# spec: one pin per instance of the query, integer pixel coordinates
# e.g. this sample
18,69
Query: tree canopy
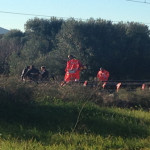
123,48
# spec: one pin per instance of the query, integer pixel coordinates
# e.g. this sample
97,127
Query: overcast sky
114,10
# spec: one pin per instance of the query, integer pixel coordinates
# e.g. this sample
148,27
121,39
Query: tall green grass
43,126
63,117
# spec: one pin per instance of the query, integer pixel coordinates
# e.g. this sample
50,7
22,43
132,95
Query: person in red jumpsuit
103,75
73,69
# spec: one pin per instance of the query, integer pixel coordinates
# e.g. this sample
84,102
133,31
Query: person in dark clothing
33,73
44,74
24,72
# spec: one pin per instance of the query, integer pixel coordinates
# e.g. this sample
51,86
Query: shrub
136,98
12,90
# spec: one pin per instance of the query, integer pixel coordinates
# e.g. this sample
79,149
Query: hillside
50,117
3,31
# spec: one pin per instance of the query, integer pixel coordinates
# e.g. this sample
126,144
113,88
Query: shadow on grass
40,121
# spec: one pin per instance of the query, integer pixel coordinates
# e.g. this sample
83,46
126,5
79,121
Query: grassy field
59,126
40,121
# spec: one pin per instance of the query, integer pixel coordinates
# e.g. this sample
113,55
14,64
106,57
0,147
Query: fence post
104,84
118,86
143,86
85,83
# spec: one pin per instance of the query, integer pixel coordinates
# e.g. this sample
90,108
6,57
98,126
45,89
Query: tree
44,30
11,42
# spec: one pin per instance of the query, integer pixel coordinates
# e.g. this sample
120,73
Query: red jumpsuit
103,75
72,70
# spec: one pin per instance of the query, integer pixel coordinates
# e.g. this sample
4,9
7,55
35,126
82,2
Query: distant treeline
123,48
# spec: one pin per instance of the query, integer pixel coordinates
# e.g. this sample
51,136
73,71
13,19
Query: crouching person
44,74
33,73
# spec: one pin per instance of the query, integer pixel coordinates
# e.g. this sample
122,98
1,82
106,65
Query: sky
113,10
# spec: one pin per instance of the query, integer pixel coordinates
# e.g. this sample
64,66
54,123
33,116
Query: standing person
44,74
73,69
103,75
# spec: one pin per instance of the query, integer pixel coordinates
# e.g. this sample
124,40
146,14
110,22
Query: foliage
44,30
14,90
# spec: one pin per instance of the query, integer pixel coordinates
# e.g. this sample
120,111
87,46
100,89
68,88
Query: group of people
32,73
72,70
74,67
